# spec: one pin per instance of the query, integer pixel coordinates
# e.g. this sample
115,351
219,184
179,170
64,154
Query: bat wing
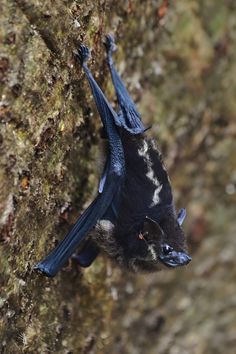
87,255
129,117
111,181
104,176
59,256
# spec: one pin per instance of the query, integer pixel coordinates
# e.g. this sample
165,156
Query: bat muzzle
175,259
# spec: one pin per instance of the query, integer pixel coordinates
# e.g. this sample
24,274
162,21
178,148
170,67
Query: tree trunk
178,60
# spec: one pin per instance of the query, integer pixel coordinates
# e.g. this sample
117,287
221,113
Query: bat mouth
175,259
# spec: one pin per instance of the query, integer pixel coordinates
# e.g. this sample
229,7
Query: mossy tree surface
179,64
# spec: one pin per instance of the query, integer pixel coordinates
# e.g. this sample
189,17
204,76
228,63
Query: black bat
133,218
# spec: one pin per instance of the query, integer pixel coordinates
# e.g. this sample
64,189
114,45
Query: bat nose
183,258
175,259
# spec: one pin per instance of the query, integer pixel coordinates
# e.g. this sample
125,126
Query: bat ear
152,227
181,216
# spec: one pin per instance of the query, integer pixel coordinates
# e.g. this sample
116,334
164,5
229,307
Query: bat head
164,244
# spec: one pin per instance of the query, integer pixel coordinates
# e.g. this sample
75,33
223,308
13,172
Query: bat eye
166,249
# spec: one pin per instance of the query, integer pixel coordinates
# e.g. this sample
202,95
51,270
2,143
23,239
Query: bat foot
82,54
110,44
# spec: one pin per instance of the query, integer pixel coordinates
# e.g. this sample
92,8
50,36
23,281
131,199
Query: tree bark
178,60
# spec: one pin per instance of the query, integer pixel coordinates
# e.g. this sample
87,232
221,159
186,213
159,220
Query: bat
133,219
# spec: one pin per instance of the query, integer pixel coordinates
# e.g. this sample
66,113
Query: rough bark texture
179,63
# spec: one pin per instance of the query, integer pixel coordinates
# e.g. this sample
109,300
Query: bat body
133,218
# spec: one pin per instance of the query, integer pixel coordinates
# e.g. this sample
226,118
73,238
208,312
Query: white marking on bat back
156,196
143,152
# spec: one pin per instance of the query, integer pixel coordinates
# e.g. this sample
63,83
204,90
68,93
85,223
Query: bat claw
82,54
110,44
